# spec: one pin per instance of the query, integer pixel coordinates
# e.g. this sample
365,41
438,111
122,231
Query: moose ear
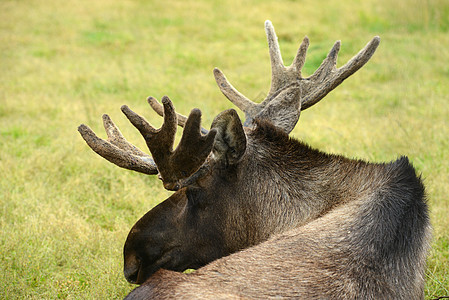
230,141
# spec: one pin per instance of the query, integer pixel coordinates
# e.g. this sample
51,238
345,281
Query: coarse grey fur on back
369,246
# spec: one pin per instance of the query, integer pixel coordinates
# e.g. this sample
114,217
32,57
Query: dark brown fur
339,228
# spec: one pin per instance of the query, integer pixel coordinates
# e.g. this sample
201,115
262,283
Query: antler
189,155
159,109
172,165
290,92
117,149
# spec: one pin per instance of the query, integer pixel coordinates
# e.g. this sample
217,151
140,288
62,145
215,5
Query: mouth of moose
138,272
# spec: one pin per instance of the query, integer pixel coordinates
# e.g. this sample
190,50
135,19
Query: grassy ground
65,212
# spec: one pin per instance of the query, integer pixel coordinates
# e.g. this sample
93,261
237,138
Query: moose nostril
132,278
132,275
131,270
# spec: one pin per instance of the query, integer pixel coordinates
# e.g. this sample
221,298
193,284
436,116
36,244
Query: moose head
236,184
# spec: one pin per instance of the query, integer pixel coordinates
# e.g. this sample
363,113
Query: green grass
65,212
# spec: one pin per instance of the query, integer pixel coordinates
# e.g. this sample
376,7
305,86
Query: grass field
65,212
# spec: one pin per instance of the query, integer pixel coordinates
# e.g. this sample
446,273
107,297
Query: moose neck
296,183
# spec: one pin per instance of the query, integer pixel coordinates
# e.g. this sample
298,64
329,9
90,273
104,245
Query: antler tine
117,149
159,109
360,59
281,76
328,65
328,77
159,141
194,148
300,57
116,138
243,103
191,152
277,64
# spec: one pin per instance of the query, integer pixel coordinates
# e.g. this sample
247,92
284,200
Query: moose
260,214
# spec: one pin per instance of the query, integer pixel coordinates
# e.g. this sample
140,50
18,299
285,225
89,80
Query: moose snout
131,269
